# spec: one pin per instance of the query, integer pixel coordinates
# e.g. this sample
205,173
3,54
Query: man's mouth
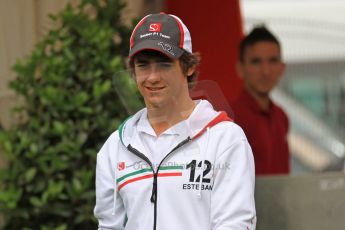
155,88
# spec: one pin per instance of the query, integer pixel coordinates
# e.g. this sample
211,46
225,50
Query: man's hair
187,60
258,34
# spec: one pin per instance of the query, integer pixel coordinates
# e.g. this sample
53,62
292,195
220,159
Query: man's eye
255,61
274,60
142,65
165,64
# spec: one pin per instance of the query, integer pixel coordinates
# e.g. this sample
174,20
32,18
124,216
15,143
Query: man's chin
263,93
156,104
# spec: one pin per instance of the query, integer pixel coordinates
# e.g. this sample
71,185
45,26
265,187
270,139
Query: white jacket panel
208,183
105,179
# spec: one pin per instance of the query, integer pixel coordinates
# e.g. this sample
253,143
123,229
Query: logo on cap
155,27
166,47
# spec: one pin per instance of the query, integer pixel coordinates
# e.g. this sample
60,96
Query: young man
176,164
264,123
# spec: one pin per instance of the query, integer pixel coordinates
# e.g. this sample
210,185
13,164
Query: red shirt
266,132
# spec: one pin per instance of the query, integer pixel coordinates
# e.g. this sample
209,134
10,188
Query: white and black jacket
206,182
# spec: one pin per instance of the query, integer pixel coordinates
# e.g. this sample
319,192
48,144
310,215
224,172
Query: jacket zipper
153,198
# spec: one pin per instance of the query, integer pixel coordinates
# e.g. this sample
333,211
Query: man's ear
239,69
191,70
134,77
283,67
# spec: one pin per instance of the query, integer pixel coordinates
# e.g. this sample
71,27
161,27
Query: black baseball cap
162,32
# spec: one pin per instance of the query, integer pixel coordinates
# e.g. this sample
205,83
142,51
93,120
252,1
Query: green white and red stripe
142,174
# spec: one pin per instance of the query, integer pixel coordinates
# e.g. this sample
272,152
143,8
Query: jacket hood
202,117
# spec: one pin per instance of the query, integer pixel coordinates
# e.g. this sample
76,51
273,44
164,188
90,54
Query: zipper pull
154,189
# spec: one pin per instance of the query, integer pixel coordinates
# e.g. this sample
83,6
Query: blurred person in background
265,124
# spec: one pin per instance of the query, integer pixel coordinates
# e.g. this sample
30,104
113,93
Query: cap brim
165,48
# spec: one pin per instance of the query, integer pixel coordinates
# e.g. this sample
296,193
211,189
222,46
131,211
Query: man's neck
164,117
262,99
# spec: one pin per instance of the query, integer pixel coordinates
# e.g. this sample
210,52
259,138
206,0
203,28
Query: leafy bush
72,104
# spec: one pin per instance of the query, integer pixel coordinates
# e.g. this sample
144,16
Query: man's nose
265,68
153,73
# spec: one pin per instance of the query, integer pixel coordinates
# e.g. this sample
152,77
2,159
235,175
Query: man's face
262,67
160,80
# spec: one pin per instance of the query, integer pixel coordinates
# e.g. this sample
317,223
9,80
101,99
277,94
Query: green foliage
73,101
